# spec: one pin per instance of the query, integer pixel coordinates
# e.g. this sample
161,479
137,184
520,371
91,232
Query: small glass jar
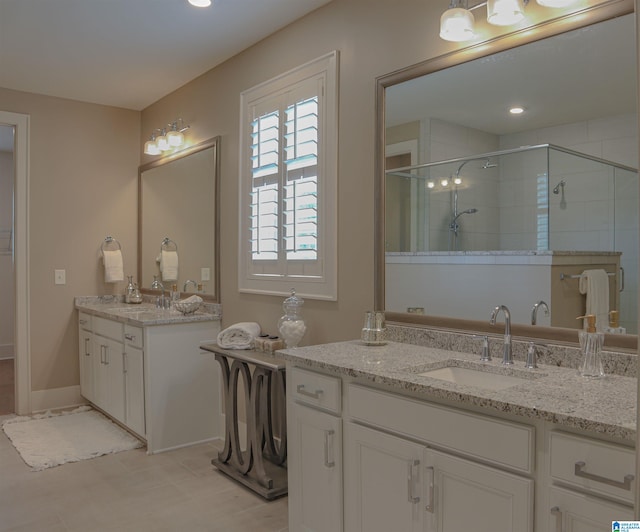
291,326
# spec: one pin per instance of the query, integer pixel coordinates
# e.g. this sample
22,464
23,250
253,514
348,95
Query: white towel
113,266
595,284
239,336
169,265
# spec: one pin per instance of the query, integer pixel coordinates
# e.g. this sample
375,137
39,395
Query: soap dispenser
132,293
291,325
591,343
614,324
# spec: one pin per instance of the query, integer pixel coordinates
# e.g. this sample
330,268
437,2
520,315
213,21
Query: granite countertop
559,395
143,314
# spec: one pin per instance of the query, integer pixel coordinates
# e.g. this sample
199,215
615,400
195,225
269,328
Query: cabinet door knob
558,513
411,482
328,460
314,395
625,484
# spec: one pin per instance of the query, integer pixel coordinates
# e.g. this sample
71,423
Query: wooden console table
261,465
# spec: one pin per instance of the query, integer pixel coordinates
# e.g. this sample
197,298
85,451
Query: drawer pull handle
625,484
130,337
87,352
558,513
429,506
314,395
328,462
411,481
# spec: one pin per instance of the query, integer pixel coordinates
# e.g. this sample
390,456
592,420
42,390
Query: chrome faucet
534,311
507,357
186,283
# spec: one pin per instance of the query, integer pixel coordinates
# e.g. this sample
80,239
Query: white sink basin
474,377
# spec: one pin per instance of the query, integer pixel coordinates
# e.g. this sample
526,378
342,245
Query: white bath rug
49,440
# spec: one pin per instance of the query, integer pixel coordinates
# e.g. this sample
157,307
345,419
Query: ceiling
128,53
592,71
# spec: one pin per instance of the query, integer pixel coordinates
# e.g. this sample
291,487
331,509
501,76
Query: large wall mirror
479,207
179,205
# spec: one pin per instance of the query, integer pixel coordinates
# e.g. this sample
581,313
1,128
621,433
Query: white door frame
21,259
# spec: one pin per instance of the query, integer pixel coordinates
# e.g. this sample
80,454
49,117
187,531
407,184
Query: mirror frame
576,20
201,146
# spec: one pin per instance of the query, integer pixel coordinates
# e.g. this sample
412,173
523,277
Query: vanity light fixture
457,22
200,3
430,184
169,140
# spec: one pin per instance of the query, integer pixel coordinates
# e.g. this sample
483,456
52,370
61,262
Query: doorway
7,279
20,255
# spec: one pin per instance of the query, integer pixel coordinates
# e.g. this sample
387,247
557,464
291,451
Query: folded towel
595,284
113,266
239,336
169,265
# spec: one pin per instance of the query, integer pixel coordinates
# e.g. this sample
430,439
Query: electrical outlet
60,276
205,274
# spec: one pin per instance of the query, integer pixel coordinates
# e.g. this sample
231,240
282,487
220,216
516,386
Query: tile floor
130,491
7,392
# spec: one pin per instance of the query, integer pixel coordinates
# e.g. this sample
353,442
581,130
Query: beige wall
83,178
373,37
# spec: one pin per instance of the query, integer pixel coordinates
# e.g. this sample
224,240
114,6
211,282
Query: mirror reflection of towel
113,266
595,284
169,265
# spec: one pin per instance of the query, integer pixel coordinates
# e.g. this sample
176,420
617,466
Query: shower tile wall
478,189
585,223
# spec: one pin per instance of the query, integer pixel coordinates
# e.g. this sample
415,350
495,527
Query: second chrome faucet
507,356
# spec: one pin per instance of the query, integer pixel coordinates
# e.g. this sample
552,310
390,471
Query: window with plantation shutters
288,162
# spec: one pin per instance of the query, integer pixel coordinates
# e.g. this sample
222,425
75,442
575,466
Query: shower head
489,164
557,188
468,211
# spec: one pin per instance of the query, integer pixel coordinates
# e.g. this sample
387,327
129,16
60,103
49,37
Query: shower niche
515,225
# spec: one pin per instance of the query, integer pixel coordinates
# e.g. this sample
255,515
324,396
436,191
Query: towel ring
168,245
110,244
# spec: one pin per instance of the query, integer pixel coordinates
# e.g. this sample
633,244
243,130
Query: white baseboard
56,398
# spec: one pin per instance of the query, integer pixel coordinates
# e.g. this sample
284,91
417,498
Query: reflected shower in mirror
178,201
485,207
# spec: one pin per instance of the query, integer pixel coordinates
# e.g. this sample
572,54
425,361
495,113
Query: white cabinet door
382,482
134,389
109,381
463,495
315,470
576,512
87,364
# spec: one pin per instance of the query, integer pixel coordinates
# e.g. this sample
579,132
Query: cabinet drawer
309,387
500,442
133,336
107,328
599,467
84,321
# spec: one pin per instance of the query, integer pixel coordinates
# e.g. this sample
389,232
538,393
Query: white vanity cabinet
87,356
154,379
391,478
109,390
314,451
591,483
134,379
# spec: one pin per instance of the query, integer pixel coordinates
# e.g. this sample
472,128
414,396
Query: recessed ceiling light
516,110
200,3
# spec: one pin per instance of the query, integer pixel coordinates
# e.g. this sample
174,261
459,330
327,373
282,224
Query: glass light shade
175,138
151,148
555,3
504,12
200,3
162,143
457,181
444,182
456,24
